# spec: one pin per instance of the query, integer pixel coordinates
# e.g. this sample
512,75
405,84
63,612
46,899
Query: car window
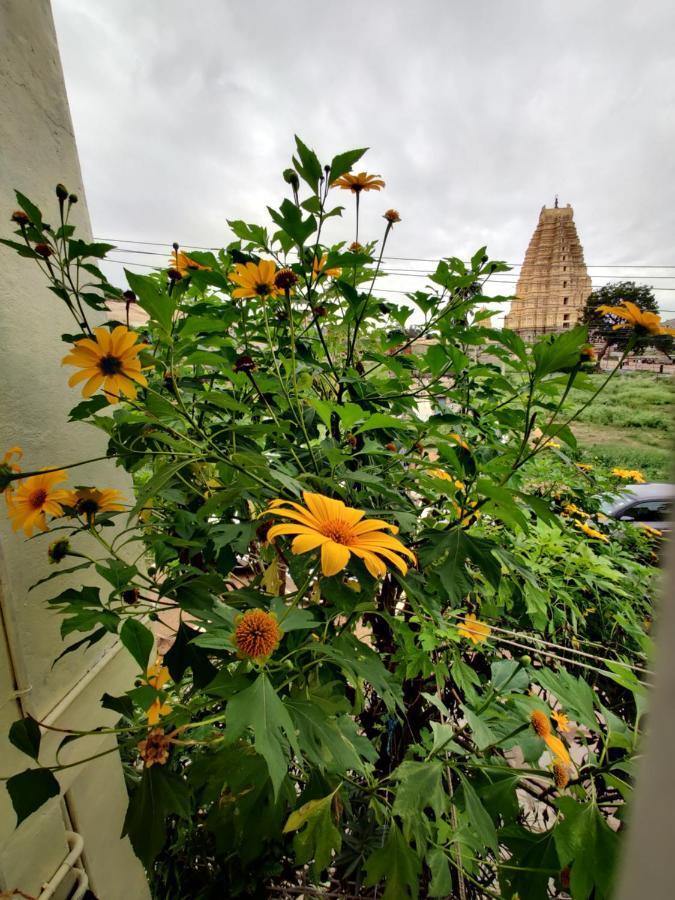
649,511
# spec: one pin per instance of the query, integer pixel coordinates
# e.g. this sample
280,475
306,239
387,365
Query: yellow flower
257,634
444,476
89,502
561,719
34,499
570,509
557,748
541,723
184,264
358,183
471,517
651,532
459,440
473,629
629,475
592,532
7,467
319,269
255,279
585,467
110,361
642,321
157,676
339,531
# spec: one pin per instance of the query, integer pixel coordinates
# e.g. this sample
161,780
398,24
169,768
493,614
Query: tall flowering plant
373,681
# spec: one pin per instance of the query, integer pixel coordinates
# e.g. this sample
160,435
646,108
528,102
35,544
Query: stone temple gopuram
553,285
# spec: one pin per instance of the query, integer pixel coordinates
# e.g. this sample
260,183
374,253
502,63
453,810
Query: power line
401,258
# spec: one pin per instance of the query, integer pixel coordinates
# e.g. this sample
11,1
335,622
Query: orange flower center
257,634
37,498
110,365
338,531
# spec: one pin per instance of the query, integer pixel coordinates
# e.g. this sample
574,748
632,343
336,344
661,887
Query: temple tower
553,285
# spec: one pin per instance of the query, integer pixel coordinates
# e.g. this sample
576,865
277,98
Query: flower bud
20,217
44,250
290,177
61,192
72,198
129,297
392,216
244,364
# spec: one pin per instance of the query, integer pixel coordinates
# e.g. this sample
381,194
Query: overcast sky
476,113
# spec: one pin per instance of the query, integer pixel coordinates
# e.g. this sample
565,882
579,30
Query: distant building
553,285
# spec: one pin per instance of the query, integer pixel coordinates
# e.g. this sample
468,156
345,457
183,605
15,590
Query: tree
600,328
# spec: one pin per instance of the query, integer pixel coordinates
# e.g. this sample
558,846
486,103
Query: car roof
630,493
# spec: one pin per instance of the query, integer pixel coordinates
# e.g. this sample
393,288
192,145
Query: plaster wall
37,150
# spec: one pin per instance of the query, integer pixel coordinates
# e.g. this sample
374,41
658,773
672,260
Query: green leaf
87,408
25,735
29,790
559,352
259,708
383,420
159,795
308,165
30,209
420,786
585,842
478,816
122,705
290,220
159,305
319,835
138,640
343,162
397,864
441,879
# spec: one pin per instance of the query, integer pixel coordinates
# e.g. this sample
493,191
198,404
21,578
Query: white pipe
89,676
82,884
76,844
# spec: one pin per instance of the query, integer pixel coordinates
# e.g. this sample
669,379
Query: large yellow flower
642,321
473,629
255,279
35,498
339,531
184,264
89,502
319,269
358,183
110,361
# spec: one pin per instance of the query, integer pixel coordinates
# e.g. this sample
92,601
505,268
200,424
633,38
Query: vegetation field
632,424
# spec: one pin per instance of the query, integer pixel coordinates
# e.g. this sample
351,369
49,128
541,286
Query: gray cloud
477,114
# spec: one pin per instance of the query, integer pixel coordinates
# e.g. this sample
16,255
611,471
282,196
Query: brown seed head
561,775
58,550
44,250
285,279
355,247
20,217
129,297
131,596
257,634
541,723
392,216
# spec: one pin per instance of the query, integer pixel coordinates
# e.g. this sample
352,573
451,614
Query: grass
631,424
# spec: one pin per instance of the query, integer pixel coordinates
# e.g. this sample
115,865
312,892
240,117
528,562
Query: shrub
385,623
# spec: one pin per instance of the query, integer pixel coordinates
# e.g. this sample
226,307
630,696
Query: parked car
644,504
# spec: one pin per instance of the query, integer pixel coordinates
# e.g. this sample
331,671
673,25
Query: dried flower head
58,550
244,363
154,749
20,217
561,775
392,216
285,279
541,723
355,247
257,634
44,250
